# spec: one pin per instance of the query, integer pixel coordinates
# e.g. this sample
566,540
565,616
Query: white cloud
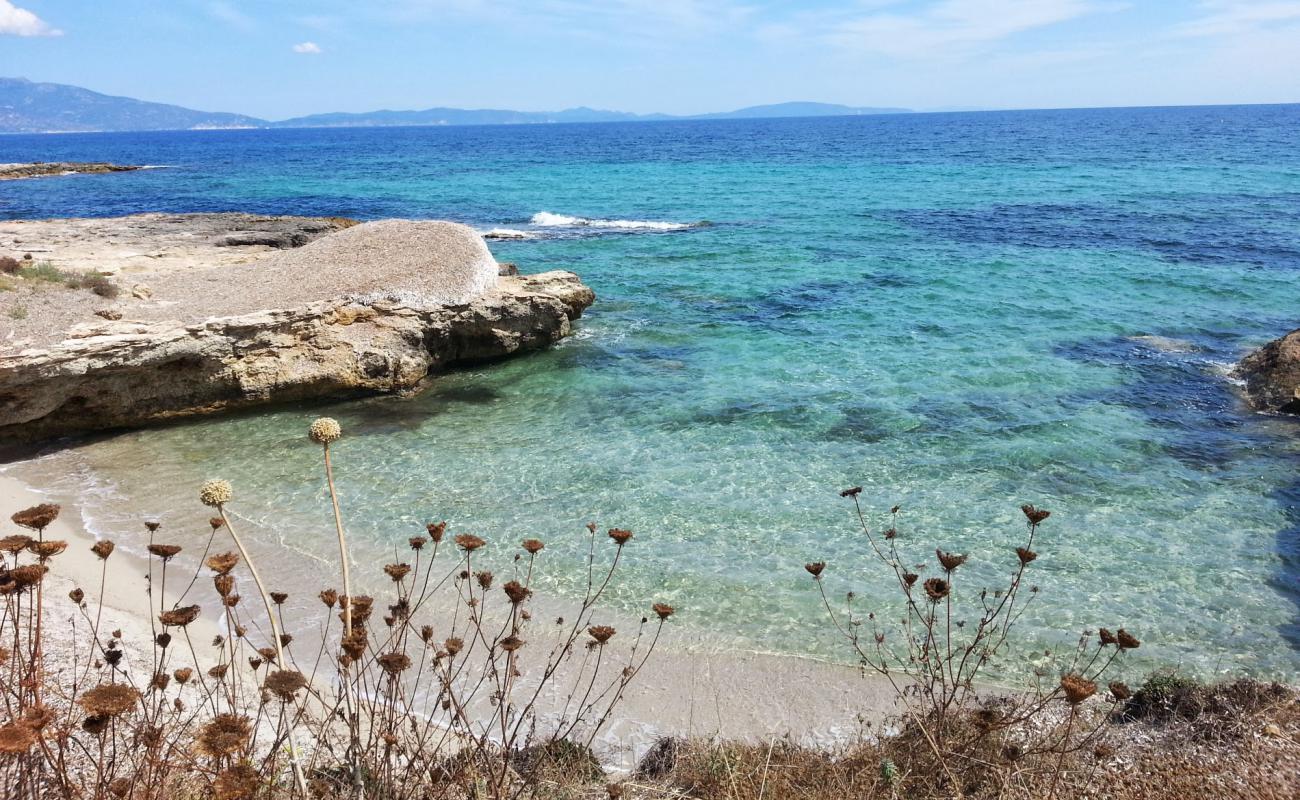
308,48
1231,17
21,22
956,25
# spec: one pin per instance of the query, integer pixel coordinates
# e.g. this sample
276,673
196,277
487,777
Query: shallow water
960,312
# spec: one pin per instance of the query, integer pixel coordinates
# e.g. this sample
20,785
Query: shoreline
693,691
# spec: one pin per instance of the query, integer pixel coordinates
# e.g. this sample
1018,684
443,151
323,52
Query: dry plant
935,644
446,687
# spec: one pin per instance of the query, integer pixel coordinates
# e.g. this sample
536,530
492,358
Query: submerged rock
43,169
1272,375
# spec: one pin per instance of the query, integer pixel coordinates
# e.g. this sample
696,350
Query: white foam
545,219
507,233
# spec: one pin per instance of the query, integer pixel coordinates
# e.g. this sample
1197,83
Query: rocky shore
1272,375
42,169
359,309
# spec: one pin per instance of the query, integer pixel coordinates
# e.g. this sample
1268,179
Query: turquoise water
959,312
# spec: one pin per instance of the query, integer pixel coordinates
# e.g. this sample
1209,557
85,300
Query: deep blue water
960,312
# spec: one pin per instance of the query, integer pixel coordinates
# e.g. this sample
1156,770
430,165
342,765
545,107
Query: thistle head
325,430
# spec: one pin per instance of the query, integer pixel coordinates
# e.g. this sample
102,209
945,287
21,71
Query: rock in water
1272,375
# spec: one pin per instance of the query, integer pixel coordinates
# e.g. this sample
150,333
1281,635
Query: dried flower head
469,542
27,576
224,584
179,617
238,782
936,589
417,542
397,571
215,493
222,563
1120,691
329,597
109,699
511,643
453,645
620,536
1025,555
103,548
1126,640
325,430
909,579
663,610
1106,637
484,578
159,681
285,682
600,633
163,639
395,662
1077,688
815,568
516,591
76,596
16,543
152,525
533,546
183,675
120,787
854,492
354,644
216,523
36,518
224,735
164,551
436,530
47,549
950,561
16,738
1034,515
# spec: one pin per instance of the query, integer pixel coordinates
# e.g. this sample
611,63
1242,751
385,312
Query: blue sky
288,57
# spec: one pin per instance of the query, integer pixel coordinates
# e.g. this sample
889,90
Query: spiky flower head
1077,688
511,643
394,662
815,568
215,493
222,563
110,699
1034,515
37,517
285,682
663,610
936,589
103,548
225,735
179,617
1120,691
601,633
620,536
533,546
325,430
1126,640
950,561
469,542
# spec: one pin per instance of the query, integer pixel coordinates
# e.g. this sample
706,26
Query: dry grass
432,691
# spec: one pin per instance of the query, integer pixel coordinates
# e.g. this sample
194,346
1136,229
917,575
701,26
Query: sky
283,58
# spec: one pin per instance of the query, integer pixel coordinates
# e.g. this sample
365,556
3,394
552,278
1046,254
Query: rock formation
43,169
371,308
1272,375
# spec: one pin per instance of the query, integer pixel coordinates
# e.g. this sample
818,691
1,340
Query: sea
958,312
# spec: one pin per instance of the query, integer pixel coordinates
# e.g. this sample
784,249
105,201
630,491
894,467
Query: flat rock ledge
127,373
1272,375
43,169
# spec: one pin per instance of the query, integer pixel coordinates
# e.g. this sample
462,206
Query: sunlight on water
911,305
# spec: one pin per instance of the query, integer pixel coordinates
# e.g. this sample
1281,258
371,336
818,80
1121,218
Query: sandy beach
689,687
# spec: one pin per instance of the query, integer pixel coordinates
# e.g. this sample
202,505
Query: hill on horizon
30,107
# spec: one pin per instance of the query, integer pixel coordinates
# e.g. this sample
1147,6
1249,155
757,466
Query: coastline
687,690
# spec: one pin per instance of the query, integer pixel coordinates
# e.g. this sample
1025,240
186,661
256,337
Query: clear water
960,312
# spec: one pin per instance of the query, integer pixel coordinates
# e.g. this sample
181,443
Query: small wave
497,234
545,219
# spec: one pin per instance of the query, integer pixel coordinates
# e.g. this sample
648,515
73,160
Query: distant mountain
27,107
459,116
800,110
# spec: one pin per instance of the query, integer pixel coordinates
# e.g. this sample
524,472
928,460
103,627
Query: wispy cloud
229,14
1232,17
16,21
955,25
308,48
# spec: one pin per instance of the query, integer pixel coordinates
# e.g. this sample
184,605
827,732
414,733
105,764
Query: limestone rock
1272,375
127,373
